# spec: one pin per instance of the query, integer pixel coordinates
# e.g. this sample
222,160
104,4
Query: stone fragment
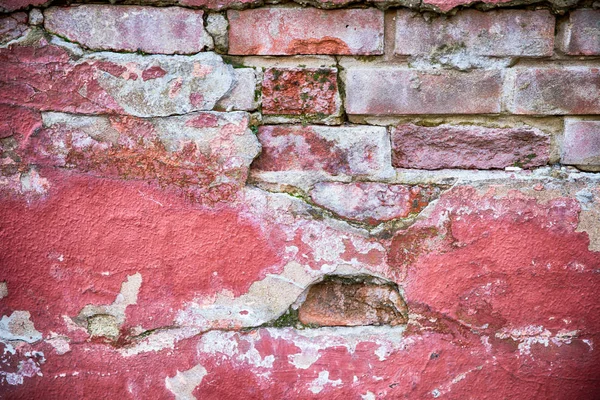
103,325
36,17
243,94
205,155
47,79
581,143
473,147
470,32
171,30
216,25
398,91
287,31
361,151
12,26
554,91
372,202
341,302
580,34
311,92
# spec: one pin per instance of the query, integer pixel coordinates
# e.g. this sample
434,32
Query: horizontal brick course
301,91
554,91
452,146
170,30
287,31
346,150
397,91
581,144
580,34
494,33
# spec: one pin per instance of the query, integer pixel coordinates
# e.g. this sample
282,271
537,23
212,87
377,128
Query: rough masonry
382,199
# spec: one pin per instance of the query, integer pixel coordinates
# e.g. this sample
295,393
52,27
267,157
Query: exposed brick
452,146
301,91
47,79
493,33
206,155
554,91
341,303
372,202
580,35
347,150
12,5
12,26
171,30
285,31
581,144
397,91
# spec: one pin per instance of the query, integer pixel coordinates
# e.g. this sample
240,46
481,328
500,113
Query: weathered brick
301,92
172,30
206,155
340,303
349,150
372,202
555,91
447,5
452,146
12,5
580,35
47,79
285,31
581,144
12,26
397,91
242,96
494,33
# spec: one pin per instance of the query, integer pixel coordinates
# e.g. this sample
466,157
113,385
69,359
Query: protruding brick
493,33
397,91
372,202
581,144
172,30
555,91
12,26
47,79
341,303
348,150
206,155
309,92
453,146
285,31
580,35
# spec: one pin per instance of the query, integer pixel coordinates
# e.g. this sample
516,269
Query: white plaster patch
532,334
319,383
3,290
17,328
60,343
182,385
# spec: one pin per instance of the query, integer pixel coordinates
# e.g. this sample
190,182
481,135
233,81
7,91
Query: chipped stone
216,25
12,27
36,17
243,94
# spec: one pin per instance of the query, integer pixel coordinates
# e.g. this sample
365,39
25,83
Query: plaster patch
182,385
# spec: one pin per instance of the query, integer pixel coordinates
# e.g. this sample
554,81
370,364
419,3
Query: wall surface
237,199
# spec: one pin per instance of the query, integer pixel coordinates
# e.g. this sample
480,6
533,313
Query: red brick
12,5
347,150
554,91
285,31
451,146
397,91
581,144
372,202
341,303
447,5
301,91
580,35
171,30
494,33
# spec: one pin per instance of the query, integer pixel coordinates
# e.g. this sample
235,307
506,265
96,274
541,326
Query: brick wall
322,199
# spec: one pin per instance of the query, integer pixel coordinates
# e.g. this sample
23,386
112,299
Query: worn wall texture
337,199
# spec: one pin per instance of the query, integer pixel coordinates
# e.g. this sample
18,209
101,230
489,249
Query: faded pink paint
556,91
372,202
398,91
580,34
287,31
581,143
12,5
452,146
170,30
